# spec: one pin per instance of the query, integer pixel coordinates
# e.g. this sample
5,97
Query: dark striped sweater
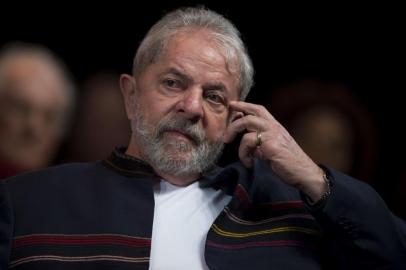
100,216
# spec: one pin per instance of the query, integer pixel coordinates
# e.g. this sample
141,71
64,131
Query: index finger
249,108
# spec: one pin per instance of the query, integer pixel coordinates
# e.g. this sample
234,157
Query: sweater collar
127,165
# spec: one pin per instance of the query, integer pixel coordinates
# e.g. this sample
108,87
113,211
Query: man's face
32,102
181,109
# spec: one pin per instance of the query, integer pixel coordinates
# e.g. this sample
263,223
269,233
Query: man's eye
171,83
216,98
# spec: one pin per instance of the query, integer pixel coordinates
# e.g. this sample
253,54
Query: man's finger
248,122
247,148
249,108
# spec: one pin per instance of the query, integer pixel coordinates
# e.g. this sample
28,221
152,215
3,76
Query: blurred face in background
33,104
327,136
101,109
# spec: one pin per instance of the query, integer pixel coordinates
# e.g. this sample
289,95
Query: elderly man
35,101
161,203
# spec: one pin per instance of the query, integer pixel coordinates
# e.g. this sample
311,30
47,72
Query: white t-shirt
182,218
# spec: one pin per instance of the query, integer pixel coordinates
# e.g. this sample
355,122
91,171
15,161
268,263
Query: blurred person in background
36,99
330,124
101,122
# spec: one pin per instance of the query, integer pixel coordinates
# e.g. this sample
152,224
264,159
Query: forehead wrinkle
190,72
211,55
189,62
188,65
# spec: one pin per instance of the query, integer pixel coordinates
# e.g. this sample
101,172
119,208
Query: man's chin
179,147
177,165
179,155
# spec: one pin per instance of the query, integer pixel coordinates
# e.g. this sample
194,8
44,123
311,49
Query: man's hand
278,148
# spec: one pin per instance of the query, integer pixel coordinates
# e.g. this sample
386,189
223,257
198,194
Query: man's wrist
324,196
314,187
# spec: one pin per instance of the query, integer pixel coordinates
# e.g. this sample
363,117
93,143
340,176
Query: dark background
361,47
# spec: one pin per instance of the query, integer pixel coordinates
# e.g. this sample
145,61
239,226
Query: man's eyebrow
219,86
178,73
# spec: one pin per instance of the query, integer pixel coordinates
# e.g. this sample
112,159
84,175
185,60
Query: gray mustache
183,126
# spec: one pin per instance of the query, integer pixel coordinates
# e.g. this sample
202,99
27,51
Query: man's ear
128,89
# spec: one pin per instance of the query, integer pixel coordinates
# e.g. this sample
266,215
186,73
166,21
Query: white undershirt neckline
182,218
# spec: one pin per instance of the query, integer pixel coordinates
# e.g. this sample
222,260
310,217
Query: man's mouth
183,135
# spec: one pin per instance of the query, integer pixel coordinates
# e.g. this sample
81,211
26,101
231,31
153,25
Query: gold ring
258,142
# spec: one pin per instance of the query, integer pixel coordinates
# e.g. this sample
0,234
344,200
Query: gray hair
224,33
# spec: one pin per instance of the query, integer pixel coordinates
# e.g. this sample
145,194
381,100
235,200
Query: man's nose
191,104
39,123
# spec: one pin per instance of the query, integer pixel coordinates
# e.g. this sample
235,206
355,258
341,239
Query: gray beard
175,157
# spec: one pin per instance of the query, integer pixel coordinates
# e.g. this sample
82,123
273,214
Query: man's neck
183,180
177,180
